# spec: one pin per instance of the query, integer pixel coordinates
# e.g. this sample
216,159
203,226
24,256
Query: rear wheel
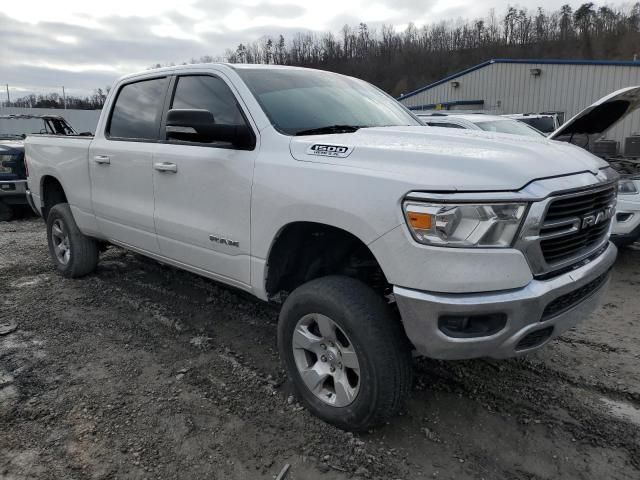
345,352
73,253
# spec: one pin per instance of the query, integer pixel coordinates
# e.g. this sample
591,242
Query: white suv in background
626,228
545,122
480,121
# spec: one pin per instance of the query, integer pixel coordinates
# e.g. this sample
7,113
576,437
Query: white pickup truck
318,191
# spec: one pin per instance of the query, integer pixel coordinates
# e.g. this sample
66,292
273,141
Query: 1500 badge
329,150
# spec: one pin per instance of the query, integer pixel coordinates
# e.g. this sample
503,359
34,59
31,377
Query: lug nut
333,369
323,346
323,358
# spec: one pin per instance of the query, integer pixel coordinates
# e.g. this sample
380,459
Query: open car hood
601,116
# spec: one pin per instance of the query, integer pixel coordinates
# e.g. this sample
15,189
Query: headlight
627,186
464,224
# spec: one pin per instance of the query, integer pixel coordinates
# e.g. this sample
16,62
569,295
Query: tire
64,236
623,242
364,325
6,212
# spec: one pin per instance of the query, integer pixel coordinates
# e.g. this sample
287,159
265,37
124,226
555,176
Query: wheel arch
51,193
305,250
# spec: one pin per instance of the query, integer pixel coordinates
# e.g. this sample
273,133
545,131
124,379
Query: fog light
472,326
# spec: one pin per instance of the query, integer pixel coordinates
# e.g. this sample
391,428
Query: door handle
166,167
102,159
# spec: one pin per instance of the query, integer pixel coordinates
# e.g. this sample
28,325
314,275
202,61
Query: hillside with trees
55,100
400,61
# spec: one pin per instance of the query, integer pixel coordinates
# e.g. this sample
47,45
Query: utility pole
64,98
8,97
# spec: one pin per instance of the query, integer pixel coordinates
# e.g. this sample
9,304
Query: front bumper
529,311
13,192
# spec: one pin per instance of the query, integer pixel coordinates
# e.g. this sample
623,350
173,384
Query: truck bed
66,159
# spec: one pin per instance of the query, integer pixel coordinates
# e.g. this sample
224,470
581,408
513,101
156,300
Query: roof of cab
205,66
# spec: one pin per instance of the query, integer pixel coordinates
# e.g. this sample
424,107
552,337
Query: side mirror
195,125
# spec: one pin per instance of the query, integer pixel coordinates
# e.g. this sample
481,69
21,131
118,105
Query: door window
136,113
208,93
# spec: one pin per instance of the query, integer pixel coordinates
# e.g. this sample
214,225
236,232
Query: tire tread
381,331
84,250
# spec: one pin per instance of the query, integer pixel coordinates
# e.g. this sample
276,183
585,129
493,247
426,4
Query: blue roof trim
613,63
454,103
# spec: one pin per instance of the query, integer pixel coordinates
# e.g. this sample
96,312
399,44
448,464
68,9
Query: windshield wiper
330,129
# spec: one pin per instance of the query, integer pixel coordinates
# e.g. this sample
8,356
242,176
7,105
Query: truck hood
11,147
601,116
442,159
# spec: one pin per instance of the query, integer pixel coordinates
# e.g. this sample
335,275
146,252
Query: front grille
566,214
534,339
571,299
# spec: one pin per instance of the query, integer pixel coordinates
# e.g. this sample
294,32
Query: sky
84,44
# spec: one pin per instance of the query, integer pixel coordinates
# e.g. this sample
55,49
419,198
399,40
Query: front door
121,165
203,190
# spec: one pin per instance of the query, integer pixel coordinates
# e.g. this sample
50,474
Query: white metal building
506,86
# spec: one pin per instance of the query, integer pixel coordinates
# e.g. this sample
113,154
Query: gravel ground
143,371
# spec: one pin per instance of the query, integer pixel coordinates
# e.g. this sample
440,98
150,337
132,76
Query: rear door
121,165
203,190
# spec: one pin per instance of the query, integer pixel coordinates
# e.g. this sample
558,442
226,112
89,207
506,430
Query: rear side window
136,113
208,93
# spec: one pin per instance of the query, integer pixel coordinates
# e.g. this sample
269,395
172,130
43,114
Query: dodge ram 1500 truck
312,189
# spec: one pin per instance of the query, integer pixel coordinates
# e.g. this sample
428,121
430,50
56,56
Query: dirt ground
143,371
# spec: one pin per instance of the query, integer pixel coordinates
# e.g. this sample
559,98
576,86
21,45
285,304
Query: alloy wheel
326,360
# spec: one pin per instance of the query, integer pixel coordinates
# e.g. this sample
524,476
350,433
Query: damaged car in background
591,124
13,175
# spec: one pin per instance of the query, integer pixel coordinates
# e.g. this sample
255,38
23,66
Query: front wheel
73,253
345,352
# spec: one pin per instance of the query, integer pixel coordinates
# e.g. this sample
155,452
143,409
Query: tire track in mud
535,392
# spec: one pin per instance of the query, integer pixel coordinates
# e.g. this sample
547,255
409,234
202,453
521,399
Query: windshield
17,127
300,100
444,125
544,124
509,126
